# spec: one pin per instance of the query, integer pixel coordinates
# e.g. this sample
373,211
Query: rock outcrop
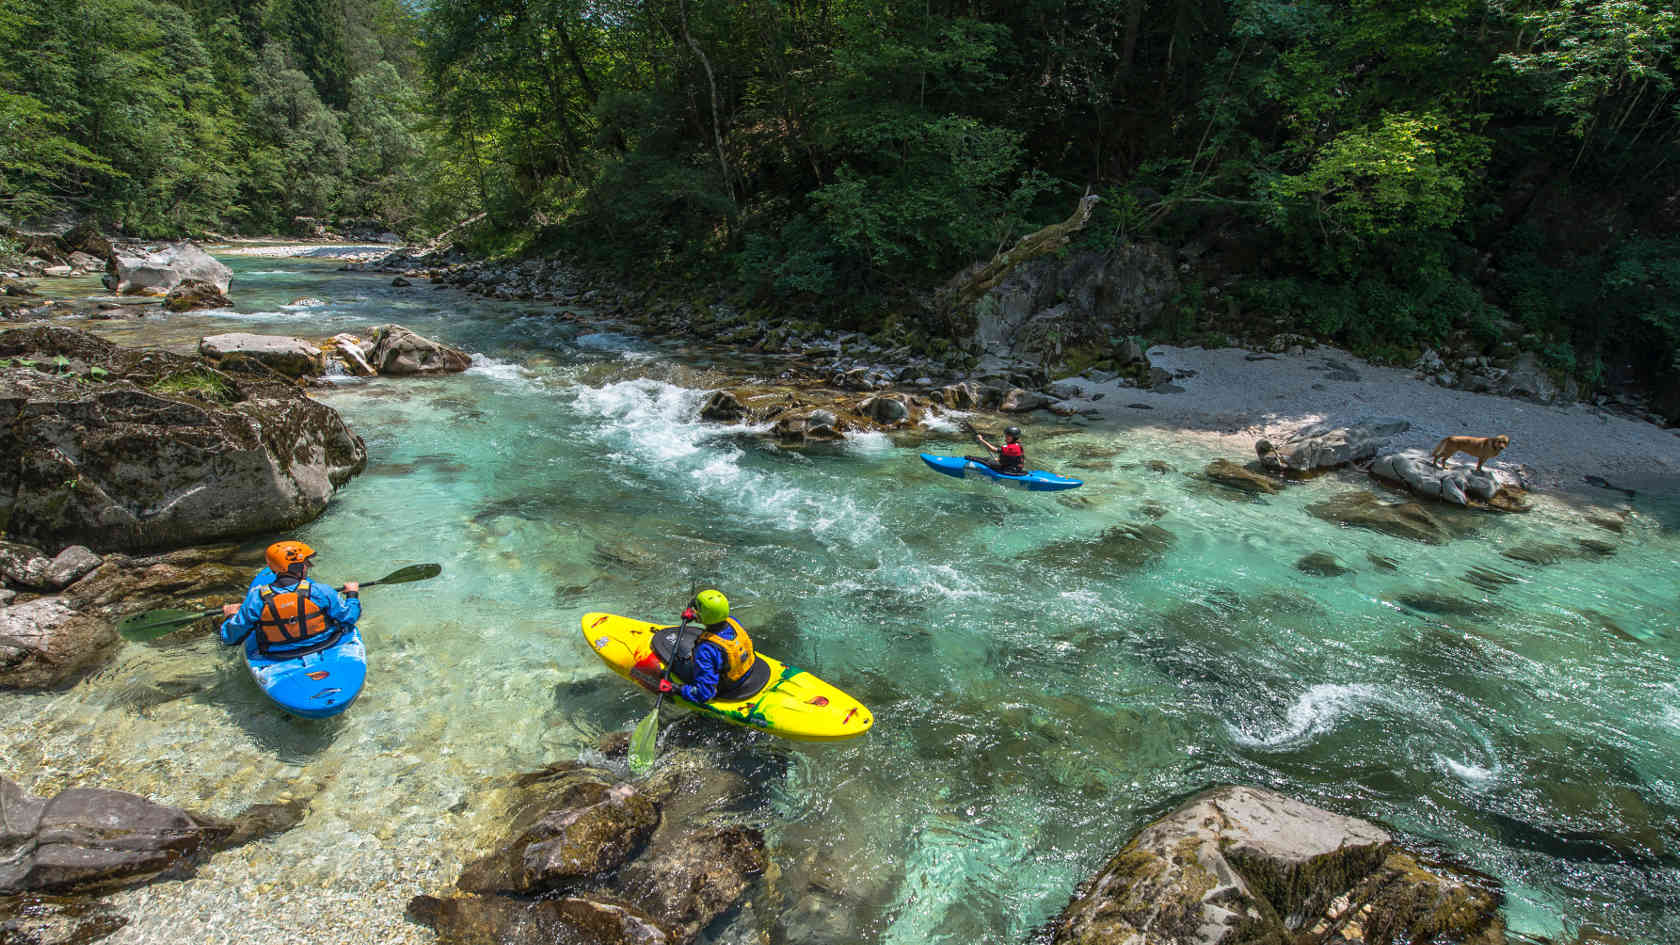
1400,519
1243,865
292,357
1459,485
1241,478
122,449
396,350
44,644
191,294
1330,444
574,869
143,271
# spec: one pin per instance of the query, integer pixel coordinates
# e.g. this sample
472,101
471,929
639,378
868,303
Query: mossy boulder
1240,478
1364,510
1244,866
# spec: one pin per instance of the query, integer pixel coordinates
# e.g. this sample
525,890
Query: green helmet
711,606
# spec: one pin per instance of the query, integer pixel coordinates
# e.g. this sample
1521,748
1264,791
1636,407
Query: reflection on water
1046,672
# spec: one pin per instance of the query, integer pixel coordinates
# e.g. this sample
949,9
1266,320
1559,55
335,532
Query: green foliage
198,382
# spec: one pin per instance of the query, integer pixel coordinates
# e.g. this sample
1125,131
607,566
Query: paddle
644,740
155,623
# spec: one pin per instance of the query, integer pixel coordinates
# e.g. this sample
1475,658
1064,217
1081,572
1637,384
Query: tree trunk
968,286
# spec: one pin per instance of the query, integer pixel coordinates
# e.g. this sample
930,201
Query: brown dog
1483,448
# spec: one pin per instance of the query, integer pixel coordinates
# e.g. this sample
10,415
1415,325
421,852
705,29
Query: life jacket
738,654
1012,457
288,616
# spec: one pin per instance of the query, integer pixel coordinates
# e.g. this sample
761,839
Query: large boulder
1416,471
124,449
292,357
91,839
396,350
1329,444
1243,865
142,271
1052,304
45,644
584,828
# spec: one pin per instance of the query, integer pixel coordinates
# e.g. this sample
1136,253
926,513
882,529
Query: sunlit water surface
1039,695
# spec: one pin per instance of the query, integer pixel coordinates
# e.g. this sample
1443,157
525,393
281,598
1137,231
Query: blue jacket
709,663
340,611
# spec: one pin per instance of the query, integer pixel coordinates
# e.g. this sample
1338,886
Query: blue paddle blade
644,743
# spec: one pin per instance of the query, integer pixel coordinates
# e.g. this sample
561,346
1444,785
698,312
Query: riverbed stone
93,839
1330,443
1459,485
24,566
70,565
399,351
190,294
123,585
293,357
1364,510
885,410
1241,478
1245,865
157,449
504,920
578,829
723,406
1322,564
33,919
694,877
45,644
143,271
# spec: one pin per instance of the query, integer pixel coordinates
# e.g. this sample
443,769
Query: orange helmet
283,554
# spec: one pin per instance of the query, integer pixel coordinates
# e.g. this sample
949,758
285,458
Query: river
1047,672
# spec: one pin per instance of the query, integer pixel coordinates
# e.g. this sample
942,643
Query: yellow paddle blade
644,742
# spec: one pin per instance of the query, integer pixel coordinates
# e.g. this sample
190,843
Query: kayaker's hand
352,587
688,614
665,686
228,610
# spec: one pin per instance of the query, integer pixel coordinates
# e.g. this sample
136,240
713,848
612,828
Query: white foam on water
868,443
943,422
605,341
499,370
304,304
655,426
1472,774
1317,712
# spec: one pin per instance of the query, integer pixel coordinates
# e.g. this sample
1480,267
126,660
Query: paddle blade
414,572
155,623
644,742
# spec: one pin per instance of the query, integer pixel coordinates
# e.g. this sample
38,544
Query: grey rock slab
139,271
70,566
293,357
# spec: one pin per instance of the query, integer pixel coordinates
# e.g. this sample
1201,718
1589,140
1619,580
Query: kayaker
290,612
713,659
1011,458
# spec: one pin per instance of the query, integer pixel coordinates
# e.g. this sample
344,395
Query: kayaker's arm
984,442
707,662
341,610
239,626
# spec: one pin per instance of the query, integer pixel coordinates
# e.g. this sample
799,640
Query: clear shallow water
1041,691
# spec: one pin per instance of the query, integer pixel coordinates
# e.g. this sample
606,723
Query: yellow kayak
791,702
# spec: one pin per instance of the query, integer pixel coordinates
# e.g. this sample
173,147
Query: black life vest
288,616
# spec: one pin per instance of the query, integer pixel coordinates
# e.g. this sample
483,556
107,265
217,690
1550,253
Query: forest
1381,174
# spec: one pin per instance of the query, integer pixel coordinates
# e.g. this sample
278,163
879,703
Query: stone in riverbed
1239,864
56,920
1364,510
91,839
397,350
192,294
292,357
1330,444
157,449
70,565
1322,564
133,271
45,644
23,565
723,407
1241,478
1459,485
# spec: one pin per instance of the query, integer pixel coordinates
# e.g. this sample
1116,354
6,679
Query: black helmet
1011,431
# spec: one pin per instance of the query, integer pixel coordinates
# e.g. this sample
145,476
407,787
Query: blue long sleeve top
340,611
709,662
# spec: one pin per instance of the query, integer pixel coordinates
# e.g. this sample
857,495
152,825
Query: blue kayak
1036,480
315,685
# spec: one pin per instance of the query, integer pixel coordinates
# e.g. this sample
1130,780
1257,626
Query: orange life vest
289,616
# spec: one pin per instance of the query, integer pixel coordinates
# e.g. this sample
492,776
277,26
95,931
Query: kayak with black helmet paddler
1009,466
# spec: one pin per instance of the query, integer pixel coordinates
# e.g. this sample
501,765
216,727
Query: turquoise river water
1043,683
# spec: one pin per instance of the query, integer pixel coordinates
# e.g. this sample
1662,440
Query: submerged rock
1322,564
122,448
1241,478
586,828
1126,547
1239,864
56,920
1364,510
92,839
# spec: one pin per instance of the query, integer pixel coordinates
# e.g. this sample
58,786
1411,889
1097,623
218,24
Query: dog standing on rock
1483,448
